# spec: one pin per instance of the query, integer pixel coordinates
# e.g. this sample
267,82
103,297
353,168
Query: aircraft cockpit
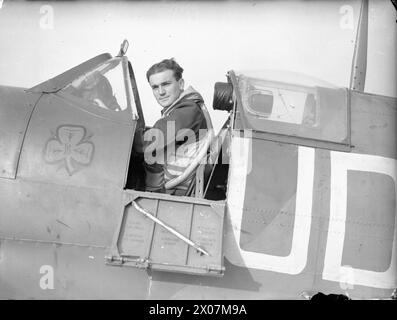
81,134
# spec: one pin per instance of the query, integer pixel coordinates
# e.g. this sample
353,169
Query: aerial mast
359,64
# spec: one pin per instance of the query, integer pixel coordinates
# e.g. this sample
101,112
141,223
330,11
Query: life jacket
188,153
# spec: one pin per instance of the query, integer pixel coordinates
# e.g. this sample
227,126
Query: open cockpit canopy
292,106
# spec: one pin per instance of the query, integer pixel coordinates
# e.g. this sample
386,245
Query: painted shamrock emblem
70,147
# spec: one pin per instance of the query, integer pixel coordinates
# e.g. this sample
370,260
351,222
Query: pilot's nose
161,91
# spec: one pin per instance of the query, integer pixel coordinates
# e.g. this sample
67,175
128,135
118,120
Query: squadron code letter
166,310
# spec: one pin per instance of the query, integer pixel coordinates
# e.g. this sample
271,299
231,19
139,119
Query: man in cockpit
181,111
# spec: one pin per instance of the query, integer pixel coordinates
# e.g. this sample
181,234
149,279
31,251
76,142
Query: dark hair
166,64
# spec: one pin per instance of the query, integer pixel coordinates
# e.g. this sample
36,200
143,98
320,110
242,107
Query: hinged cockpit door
175,234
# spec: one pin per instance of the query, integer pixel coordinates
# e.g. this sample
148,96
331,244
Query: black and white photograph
203,151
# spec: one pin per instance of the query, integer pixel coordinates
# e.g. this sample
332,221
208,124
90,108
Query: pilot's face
166,89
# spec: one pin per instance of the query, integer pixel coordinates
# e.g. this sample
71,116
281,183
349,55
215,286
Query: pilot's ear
181,83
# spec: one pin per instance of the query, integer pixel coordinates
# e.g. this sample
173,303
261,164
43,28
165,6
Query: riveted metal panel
33,270
15,109
280,220
45,211
374,124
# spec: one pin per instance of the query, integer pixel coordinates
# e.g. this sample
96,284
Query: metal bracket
123,48
216,269
114,260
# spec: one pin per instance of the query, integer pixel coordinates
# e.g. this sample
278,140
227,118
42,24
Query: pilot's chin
164,104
